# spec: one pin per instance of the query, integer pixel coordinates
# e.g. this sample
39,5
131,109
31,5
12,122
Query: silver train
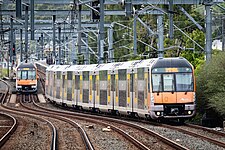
152,88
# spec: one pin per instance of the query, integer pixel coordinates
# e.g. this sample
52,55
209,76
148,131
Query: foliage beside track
211,86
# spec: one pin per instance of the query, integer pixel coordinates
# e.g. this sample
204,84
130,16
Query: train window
168,80
77,82
157,82
140,73
103,75
31,75
24,75
85,76
184,82
69,75
18,74
58,74
122,74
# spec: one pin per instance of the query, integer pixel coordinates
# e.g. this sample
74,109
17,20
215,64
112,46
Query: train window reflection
168,80
31,75
157,83
18,75
184,82
24,75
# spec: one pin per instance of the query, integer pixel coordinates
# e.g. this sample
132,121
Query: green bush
211,85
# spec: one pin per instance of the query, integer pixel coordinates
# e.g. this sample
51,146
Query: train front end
26,80
173,89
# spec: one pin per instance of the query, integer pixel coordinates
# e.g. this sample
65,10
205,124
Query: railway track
83,134
203,133
216,138
9,125
117,126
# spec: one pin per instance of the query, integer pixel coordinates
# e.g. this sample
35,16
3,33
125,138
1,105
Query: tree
211,85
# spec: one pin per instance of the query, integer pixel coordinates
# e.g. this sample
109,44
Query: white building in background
217,44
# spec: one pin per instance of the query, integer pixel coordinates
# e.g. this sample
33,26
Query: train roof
26,65
155,62
172,63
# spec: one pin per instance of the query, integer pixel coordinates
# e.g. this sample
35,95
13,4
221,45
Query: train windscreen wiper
188,88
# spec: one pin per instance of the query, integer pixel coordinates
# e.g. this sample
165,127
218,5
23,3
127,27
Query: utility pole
59,42
53,40
26,33
110,42
171,19
32,18
11,42
208,45
42,46
160,35
101,33
21,45
135,34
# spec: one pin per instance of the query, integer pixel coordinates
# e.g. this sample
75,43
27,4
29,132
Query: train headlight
33,86
158,113
189,112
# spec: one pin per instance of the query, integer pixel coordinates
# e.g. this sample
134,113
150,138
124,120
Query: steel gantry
78,24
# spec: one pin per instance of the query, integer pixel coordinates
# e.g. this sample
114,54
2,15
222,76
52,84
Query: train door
58,87
93,94
103,81
112,92
73,89
54,85
132,89
63,95
129,89
122,85
116,100
86,87
69,87
77,89
169,94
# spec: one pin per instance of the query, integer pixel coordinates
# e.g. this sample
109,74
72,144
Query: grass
3,73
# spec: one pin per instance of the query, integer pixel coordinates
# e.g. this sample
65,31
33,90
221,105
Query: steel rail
205,129
219,143
83,134
54,131
15,123
7,135
15,111
92,118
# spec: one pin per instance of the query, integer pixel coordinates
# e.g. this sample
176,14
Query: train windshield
176,81
26,75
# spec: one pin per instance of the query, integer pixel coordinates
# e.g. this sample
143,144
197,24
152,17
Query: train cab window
31,75
184,82
24,75
168,80
18,75
157,82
